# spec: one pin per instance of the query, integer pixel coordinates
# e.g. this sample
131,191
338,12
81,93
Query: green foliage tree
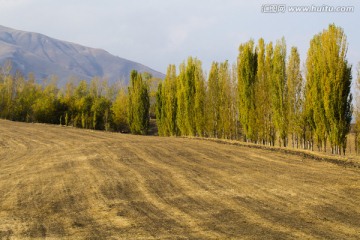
315,93
357,111
95,88
7,90
170,101
83,103
338,99
225,102
119,110
27,94
213,101
182,110
328,84
167,104
279,92
153,84
46,106
100,95
191,99
262,96
270,131
199,107
101,112
160,111
67,99
295,96
247,67
259,98
235,133
138,104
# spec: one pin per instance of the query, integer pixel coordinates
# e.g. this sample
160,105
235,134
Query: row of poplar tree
264,98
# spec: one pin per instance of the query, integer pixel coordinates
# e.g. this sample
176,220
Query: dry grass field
65,183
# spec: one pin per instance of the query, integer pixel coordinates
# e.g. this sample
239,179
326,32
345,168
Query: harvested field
65,183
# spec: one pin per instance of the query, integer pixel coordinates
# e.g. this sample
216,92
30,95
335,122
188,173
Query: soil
64,183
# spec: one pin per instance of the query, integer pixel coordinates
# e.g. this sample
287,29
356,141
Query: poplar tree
212,101
261,94
226,124
315,108
199,107
190,91
169,106
247,67
235,129
220,102
191,98
160,111
270,131
182,111
138,104
337,82
328,84
295,96
357,111
279,92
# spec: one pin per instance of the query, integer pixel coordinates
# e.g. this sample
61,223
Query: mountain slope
45,56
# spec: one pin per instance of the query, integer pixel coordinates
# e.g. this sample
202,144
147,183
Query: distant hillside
45,56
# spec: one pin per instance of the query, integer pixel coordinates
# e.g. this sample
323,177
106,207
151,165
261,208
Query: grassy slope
59,182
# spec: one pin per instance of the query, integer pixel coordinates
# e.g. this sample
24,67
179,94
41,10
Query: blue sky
159,32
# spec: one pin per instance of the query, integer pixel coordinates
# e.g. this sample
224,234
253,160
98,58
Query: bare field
65,183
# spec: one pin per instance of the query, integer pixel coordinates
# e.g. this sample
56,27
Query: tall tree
270,131
225,102
337,83
182,111
315,108
199,108
212,101
357,111
279,92
153,84
138,104
191,96
247,67
262,94
160,111
83,103
167,104
235,133
295,96
329,80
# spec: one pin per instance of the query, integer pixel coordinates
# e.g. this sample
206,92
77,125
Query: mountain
45,56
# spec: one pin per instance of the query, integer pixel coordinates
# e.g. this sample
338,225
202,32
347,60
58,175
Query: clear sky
159,32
